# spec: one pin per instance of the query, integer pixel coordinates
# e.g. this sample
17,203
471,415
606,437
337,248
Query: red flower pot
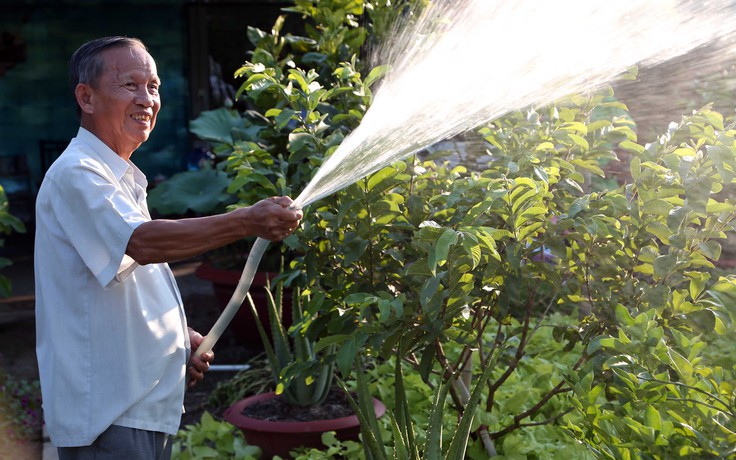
225,281
280,437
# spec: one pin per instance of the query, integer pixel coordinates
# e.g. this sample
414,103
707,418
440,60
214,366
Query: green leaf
380,176
711,249
677,218
652,417
401,450
580,142
433,444
202,192
541,173
346,355
520,196
725,160
325,342
660,230
681,364
216,125
703,321
579,205
698,282
697,192
657,207
428,295
427,362
376,73
632,147
529,215
440,250
472,249
545,146
354,251
635,168
404,422
372,442
664,265
301,141
298,76
623,316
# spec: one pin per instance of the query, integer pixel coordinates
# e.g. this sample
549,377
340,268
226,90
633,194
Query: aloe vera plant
300,375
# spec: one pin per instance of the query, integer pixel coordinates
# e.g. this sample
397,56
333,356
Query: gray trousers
122,443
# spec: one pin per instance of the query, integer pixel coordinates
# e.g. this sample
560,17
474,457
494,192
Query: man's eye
130,85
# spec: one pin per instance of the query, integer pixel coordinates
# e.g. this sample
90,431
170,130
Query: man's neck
122,152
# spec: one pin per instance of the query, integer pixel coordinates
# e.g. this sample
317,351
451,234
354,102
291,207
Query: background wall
35,99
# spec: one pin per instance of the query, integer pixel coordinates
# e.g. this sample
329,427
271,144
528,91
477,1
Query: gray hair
87,64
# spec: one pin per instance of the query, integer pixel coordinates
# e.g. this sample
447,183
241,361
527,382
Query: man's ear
85,96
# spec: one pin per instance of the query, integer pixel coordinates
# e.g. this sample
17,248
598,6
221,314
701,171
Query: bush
8,225
439,266
213,439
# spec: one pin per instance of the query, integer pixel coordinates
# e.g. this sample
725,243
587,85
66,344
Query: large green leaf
216,125
201,192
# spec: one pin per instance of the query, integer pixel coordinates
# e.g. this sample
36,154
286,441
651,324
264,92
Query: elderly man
113,344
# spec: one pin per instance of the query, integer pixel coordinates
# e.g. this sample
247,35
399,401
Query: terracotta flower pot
225,281
280,437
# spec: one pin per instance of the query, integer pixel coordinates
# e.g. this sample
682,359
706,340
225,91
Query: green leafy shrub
452,272
523,236
8,225
295,117
212,439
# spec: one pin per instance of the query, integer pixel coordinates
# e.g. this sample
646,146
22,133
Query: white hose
246,278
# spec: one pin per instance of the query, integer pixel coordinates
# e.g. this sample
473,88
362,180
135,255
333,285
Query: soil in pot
277,409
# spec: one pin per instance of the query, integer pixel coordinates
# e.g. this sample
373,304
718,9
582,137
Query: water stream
466,62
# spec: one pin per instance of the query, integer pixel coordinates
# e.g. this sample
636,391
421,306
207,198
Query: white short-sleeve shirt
111,336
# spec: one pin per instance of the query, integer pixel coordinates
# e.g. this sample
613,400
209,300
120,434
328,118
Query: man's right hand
272,219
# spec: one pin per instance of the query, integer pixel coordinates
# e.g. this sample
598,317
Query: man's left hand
198,365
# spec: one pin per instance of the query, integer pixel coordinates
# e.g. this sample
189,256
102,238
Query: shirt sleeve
98,217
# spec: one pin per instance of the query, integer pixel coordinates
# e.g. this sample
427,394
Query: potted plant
295,414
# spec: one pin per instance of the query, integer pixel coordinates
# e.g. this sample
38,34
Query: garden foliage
449,271
8,224
21,415
212,439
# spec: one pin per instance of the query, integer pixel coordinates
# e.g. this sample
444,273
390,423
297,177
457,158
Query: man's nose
145,98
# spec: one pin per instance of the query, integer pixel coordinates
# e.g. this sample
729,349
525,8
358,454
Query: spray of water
467,62
463,63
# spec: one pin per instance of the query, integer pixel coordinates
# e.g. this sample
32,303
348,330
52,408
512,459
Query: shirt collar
117,165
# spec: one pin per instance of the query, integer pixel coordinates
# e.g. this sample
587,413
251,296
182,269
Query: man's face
125,101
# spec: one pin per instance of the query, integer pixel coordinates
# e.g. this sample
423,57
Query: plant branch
558,389
699,390
704,404
519,351
496,343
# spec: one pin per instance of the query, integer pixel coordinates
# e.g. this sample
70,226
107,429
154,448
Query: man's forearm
164,240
